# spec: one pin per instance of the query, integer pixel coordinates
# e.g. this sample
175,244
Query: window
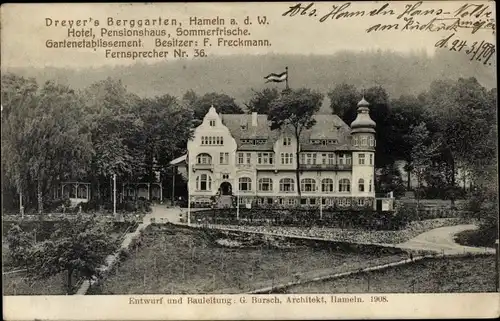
344,159
370,186
371,141
308,185
361,185
203,182
287,185
203,159
291,201
308,158
265,158
344,185
312,201
224,158
331,159
323,201
356,141
363,141
249,158
303,201
245,184
327,185
323,159
287,141
265,185
212,123
361,202
371,159
361,159
286,158
241,158
225,176
212,140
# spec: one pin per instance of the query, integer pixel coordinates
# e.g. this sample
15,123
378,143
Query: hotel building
239,156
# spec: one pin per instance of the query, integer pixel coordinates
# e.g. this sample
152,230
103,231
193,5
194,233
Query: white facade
255,165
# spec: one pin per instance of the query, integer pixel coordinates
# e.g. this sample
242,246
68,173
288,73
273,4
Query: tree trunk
452,196
409,180
297,167
39,195
69,282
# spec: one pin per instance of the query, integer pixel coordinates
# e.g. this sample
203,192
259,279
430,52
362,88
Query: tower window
212,123
361,159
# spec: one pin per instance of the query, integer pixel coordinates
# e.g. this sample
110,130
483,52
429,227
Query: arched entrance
226,188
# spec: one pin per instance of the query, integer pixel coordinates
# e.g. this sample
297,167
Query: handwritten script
478,50
412,17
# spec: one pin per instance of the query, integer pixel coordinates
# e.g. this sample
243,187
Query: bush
51,205
301,217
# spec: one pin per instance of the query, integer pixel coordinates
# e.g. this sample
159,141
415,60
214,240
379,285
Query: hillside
237,75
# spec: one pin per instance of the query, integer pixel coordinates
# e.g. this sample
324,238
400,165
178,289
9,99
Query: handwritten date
477,51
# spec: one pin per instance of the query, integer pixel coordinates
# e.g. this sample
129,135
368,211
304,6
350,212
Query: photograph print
330,148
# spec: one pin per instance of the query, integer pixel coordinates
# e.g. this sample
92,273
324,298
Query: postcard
245,160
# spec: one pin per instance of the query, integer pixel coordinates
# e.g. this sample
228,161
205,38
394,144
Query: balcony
325,167
265,167
197,167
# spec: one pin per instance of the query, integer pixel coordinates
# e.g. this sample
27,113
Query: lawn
19,284
191,261
444,275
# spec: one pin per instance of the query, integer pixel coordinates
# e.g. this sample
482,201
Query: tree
114,130
261,100
45,137
463,113
167,127
422,152
20,245
294,111
343,101
222,102
406,111
389,180
77,247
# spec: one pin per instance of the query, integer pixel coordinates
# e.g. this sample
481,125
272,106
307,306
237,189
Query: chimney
254,119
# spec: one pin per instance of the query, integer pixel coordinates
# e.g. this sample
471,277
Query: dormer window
212,123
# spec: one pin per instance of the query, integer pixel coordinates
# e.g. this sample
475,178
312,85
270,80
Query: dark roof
327,127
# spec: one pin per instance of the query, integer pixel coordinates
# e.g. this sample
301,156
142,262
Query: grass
184,261
19,284
448,275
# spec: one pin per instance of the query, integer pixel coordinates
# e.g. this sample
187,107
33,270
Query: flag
276,77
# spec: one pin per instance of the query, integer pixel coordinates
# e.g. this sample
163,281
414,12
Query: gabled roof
327,127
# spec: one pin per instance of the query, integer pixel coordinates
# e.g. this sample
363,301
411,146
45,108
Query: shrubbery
380,220
128,206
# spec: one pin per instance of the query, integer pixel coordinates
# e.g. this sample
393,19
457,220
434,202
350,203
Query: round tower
363,156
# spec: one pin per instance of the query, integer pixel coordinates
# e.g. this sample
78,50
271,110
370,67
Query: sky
24,32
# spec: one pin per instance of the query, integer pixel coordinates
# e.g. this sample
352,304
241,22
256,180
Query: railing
331,167
203,166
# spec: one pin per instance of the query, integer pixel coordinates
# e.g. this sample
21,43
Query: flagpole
286,80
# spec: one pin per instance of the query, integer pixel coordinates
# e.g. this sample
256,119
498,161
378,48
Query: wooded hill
400,74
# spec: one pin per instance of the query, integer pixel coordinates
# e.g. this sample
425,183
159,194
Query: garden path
443,240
